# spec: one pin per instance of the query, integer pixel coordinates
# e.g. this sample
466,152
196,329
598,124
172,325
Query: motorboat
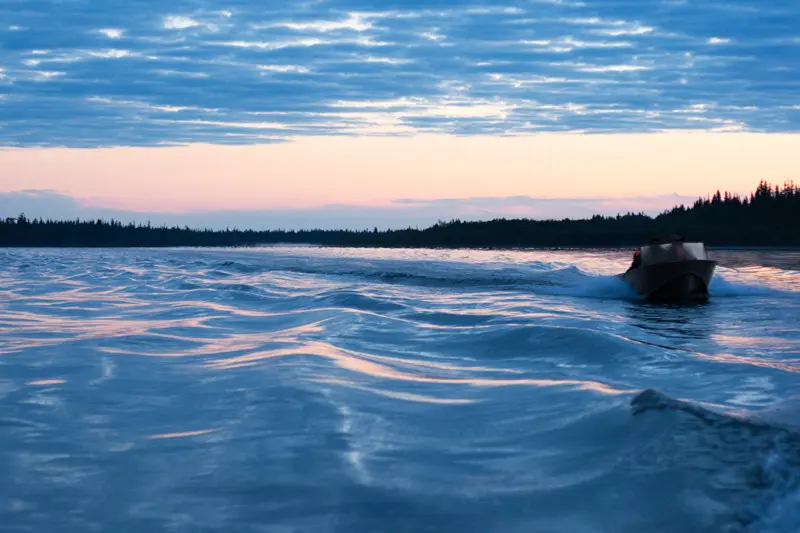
671,270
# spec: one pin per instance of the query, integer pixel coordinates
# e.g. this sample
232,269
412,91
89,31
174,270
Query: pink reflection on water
45,382
56,329
419,398
783,365
357,363
184,434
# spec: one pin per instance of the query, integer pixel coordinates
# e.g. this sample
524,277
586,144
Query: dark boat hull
675,281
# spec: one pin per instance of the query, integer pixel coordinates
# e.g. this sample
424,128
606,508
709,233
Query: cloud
611,68
402,213
625,30
283,68
111,54
112,33
547,208
538,61
176,22
353,22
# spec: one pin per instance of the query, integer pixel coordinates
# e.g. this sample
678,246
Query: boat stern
678,281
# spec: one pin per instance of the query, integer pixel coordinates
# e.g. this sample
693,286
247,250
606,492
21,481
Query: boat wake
722,286
747,469
546,278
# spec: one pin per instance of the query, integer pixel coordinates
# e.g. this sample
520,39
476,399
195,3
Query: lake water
320,390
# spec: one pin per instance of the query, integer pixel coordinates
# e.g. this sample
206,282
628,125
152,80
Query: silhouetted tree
770,216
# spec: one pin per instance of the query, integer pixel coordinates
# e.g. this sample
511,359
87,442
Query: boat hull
674,281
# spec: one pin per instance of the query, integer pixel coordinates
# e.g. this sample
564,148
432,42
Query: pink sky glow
374,171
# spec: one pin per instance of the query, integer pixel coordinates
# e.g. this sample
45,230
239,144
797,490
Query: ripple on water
391,390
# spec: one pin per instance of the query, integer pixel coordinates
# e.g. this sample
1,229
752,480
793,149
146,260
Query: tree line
770,216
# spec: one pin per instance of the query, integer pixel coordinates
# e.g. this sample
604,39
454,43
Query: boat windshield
673,251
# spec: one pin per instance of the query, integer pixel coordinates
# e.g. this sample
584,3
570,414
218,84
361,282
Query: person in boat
637,259
674,239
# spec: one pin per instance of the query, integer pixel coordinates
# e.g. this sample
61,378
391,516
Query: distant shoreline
616,247
768,219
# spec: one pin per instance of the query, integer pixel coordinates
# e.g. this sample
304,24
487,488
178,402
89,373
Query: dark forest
770,216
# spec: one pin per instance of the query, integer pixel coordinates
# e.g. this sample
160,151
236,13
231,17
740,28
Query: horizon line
742,197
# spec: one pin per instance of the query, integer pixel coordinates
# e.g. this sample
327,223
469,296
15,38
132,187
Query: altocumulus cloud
87,74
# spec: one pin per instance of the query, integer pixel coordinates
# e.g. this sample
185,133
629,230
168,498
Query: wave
747,465
538,277
541,277
720,286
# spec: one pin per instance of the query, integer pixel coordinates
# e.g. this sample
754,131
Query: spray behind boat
671,270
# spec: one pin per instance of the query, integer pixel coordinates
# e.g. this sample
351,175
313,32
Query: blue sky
88,74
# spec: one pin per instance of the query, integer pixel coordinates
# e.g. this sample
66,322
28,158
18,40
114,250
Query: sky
356,113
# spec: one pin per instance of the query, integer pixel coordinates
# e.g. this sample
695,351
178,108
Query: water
309,389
